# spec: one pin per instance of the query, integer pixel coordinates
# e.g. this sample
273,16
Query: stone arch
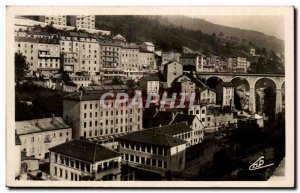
241,92
265,95
212,81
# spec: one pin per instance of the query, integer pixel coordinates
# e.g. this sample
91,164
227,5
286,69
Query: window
32,139
60,172
66,174
159,163
165,165
84,106
148,162
143,160
55,171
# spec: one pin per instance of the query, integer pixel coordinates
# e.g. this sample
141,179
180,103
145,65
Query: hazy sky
269,25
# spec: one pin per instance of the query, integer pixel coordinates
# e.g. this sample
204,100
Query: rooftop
163,118
149,43
173,129
85,151
148,137
184,118
40,125
25,39
104,88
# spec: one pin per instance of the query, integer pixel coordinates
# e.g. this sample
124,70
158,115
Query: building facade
150,84
38,135
171,71
88,161
153,151
89,116
225,94
54,19
149,46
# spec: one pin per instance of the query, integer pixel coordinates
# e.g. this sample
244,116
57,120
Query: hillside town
77,118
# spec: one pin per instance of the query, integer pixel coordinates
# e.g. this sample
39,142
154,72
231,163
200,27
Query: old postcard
150,97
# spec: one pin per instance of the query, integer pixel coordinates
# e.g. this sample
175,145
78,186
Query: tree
65,77
116,81
21,68
130,83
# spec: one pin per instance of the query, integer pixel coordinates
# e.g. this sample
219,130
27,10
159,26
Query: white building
225,94
79,160
152,151
54,19
149,46
150,84
38,135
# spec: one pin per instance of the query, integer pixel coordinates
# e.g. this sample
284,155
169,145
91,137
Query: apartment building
130,61
38,135
86,161
171,71
54,19
48,55
110,54
194,60
89,116
238,64
83,21
150,84
149,46
27,46
207,95
146,59
183,84
194,123
225,94
181,118
81,80
84,50
152,151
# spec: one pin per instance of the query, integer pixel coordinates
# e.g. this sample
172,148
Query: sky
269,25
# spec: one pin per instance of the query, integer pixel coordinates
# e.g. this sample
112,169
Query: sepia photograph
129,96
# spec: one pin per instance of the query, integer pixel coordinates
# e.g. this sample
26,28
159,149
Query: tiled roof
148,137
40,125
85,151
104,88
173,129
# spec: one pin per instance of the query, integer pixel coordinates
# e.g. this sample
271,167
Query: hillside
257,38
